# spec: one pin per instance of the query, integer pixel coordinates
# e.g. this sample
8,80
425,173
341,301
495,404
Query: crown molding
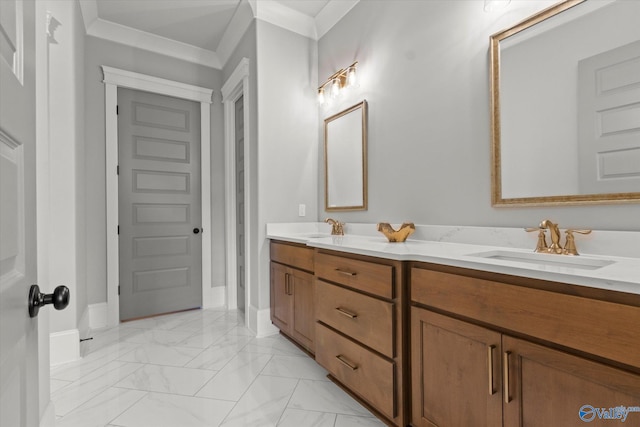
284,17
232,36
333,12
89,9
265,10
141,39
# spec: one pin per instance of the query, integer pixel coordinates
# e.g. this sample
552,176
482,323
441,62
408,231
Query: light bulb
352,78
321,96
335,88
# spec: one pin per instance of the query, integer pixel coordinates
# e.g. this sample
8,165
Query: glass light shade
321,95
335,88
352,78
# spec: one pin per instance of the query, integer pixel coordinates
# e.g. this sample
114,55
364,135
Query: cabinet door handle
346,273
505,365
490,349
346,363
346,313
287,285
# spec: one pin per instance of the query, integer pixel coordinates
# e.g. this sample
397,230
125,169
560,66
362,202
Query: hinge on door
118,170
118,290
117,110
118,229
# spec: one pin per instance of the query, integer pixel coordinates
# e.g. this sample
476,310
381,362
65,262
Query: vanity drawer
365,276
291,254
366,319
367,374
597,327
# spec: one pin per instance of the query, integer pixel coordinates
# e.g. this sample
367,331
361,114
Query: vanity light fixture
491,5
340,80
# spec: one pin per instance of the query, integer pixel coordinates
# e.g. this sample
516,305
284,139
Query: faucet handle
542,239
570,245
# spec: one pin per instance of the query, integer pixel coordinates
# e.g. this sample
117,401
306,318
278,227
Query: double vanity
453,328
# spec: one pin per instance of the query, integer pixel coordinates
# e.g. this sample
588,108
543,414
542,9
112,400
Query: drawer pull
346,363
490,349
346,273
346,313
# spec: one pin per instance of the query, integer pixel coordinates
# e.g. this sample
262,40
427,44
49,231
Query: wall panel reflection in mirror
566,105
345,154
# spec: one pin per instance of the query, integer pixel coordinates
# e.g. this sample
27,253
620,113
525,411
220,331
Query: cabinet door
281,297
547,387
455,372
303,329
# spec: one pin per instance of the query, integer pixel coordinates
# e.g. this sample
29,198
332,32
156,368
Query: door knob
59,298
197,230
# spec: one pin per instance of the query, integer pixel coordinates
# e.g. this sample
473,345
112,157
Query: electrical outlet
302,210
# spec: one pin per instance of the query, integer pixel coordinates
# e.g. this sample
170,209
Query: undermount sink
314,235
579,262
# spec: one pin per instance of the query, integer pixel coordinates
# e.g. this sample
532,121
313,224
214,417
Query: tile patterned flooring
197,368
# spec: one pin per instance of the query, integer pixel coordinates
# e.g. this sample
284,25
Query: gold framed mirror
565,106
345,159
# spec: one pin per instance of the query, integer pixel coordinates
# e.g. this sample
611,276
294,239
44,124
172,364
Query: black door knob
59,298
197,230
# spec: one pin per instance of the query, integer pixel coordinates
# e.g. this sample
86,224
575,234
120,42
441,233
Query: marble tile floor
197,368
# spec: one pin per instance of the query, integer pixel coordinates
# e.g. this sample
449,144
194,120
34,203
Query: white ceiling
203,31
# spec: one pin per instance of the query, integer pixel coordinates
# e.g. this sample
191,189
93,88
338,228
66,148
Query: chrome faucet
337,227
554,230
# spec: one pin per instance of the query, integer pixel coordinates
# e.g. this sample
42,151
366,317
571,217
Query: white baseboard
260,322
64,347
48,418
83,323
218,296
98,317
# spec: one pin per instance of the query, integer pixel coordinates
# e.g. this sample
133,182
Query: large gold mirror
345,159
565,95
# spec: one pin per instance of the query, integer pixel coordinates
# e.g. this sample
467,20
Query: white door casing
19,377
159,198
114,78
236,86
240,213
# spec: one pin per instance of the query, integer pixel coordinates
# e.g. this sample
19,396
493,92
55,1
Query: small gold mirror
566,106
345,159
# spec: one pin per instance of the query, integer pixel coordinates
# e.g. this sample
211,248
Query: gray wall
287,145
424,68
100,52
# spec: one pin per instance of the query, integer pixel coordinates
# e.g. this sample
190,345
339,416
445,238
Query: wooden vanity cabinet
487,352
292,292
360,329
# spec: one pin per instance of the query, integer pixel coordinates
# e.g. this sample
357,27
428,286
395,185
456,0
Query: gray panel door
159,204
609,121
240,217
19,395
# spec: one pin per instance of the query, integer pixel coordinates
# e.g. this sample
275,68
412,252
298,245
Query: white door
609,121
240,217
159,204
19,398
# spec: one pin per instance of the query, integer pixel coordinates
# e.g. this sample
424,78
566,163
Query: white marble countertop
446,246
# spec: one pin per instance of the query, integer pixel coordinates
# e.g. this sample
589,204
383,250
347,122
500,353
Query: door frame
236,86
113,79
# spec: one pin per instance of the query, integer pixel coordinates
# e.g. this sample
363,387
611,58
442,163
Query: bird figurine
399,235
